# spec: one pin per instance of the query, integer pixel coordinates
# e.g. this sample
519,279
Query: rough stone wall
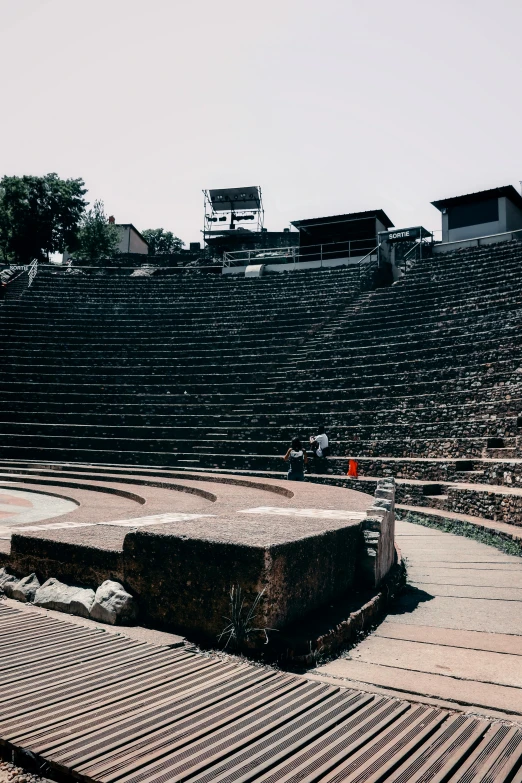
504,473
83,565
509,474
184,583
499,507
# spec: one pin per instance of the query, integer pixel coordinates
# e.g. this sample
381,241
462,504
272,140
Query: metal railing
487,239
286,255
368,265
415,253
18,283
328,251
31,273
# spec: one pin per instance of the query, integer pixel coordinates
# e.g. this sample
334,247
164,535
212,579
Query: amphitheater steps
481,496
486,501
389,348
366,484
503,530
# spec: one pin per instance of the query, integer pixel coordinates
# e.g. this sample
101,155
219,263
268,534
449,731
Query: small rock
8,586
113,604
25,589
6,580
53,594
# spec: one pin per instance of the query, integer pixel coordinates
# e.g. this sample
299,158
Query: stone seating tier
222,371
256,433
492,292
159,356
424,485
249,380
490,491
164,414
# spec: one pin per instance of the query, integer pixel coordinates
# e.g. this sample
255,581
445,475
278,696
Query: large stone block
7,579
25,589
183,574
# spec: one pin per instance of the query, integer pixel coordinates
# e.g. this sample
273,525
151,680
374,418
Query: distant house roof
323,221
470,198
130,225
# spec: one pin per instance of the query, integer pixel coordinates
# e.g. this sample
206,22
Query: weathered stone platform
190,538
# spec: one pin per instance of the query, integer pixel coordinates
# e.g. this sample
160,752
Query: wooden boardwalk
104,707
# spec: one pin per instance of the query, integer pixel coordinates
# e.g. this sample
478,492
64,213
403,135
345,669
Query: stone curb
443,523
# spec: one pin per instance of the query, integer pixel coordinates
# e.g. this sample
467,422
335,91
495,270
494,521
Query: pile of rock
111,603
9,773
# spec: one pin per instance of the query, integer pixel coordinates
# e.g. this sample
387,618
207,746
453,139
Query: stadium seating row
420,380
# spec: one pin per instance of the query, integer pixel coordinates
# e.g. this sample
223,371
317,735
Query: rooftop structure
226,207
485,212
241,243
334,236
131,241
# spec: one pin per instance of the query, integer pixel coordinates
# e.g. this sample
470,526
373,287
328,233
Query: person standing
297,458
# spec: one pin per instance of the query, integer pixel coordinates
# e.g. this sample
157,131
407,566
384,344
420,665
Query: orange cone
352,468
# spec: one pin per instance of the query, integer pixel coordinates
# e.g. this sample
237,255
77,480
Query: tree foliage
162,242
39,216
97,238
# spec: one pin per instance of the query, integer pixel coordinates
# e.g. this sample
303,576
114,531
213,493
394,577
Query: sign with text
404,234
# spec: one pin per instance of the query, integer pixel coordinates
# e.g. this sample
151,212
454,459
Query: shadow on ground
409,600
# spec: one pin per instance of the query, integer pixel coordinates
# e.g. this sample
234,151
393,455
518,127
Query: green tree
39,216
97,238
162,242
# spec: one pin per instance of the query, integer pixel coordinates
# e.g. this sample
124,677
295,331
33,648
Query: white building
481,214
131,241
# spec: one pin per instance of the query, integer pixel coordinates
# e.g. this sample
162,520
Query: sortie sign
403,234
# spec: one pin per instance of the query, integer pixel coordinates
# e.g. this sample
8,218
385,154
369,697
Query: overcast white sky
331,106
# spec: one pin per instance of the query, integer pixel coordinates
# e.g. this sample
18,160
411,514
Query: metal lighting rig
225,208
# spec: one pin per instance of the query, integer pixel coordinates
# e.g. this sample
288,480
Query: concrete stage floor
145,499
253,508
19,509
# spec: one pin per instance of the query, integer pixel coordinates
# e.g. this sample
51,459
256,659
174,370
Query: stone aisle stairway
455,634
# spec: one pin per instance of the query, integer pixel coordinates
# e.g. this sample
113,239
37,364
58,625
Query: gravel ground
11,774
